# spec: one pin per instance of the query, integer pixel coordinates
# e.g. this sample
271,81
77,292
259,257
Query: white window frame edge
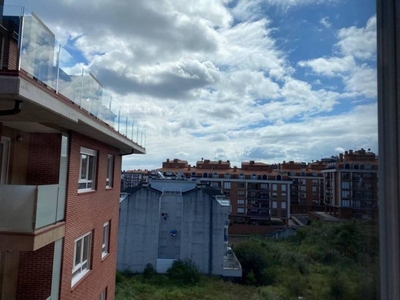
7,141
74,280
110,178
103,254
88,152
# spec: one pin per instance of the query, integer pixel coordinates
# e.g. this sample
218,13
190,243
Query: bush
184,272
118,278
149,271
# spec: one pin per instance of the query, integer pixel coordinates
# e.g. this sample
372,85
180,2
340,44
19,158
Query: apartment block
175,219
131,178
258,192
62,141
351,185
307,189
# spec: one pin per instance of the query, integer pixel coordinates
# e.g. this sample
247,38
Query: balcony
26,208
30,216
56,88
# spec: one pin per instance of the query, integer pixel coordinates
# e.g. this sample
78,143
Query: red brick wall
44,158
35,271
87,212
10,61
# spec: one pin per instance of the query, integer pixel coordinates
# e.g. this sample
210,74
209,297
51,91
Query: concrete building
60,159
351,185
174,219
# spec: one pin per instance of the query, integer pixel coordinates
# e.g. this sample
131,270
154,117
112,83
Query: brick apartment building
62,142
258,192
351,185
307,189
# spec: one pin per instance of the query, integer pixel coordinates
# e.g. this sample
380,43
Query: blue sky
265,80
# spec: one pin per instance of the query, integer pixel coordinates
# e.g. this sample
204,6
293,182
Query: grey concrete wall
196,222
170,246
138,231
144,233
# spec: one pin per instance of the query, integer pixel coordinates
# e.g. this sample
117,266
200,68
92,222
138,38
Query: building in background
351,185
131,178
307,188
60,162
258,192
168,220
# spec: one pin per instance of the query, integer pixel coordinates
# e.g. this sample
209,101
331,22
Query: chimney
167,159
252,162
341,157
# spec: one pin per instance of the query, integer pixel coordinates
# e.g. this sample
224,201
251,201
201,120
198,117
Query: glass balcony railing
26,208
39,54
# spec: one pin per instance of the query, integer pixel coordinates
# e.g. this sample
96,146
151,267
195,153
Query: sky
263,80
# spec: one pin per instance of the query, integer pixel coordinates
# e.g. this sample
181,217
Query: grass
160,287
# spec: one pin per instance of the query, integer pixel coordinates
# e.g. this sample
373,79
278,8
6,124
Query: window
345,203
103,295
284,213
283,187
274,187
240,193
106,239
110,171
274,204
264,186
87,170
315,181
345,194
82,250
241,185
314,188
240,210
227,175
303,188
240,202
254,176
345,185
227,185
283,205
303,181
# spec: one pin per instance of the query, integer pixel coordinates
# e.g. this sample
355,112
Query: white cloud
358,42
324,21
205,86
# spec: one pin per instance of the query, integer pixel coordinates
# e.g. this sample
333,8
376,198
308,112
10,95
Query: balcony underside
15,241
44,111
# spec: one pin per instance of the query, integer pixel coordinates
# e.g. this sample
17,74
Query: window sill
75,281
86,191
104,256
109,188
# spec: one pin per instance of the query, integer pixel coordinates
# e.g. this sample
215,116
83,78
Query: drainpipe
210,250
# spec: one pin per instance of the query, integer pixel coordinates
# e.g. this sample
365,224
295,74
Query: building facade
60,162
174,219
307,189
258,192
351,185
131,178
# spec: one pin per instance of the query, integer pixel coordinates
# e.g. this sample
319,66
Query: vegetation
323,261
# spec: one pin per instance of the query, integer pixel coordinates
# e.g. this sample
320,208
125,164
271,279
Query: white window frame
86,181
110,171
241,202
274,187
105,245
227,185
283,205
83,266
241,210
103,295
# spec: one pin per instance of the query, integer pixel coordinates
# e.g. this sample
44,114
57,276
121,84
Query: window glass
82,250
87,170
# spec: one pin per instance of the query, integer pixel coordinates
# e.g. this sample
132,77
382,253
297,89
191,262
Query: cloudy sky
264,80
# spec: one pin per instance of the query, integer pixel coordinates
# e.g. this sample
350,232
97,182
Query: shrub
118,278
149,271
184,272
